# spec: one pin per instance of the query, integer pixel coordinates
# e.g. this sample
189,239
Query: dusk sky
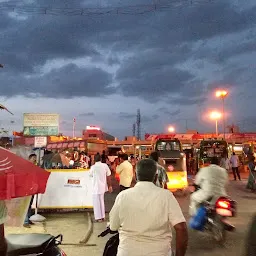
101,68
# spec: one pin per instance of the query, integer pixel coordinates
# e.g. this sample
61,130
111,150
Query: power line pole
138,125
134,129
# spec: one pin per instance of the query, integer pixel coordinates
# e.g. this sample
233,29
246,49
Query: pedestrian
145,215
161,177
101,183
125,171
251,184
3,216
234,161
27,222
224,162
104,157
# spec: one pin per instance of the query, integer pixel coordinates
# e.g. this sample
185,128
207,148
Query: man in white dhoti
101,179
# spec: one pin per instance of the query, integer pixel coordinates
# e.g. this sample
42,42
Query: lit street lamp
171,129
215,116
222,94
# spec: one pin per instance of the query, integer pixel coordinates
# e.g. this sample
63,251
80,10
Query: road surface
199,243
73,226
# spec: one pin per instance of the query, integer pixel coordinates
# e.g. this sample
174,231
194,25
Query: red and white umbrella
19,177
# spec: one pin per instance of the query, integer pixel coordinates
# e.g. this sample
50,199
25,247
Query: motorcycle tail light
223,204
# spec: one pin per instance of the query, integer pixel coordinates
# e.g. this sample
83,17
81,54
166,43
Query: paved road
73,227
200,244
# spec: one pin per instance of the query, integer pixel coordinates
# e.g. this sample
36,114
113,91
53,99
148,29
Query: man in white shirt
101,179
125,172
234,160
212,181
144,216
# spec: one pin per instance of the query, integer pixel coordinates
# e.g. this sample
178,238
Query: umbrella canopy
19,177
57,158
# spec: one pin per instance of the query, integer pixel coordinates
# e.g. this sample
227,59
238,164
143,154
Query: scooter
34,245
212,218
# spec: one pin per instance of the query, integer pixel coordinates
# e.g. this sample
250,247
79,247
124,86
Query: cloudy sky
101,67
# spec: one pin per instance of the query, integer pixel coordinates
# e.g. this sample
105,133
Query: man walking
162,178
125,172
28,223
234,164
144,216
101,180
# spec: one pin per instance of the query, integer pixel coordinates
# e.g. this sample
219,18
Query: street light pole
215,116
222,94
223,116
217,134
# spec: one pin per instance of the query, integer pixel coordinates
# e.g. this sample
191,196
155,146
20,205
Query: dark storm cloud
87,114
151,84
125,115
157,43
132,116
168,111
67,82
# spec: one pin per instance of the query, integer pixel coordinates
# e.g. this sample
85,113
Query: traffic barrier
66,189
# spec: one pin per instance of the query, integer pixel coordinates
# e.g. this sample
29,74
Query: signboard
41,131
40,142
40,124
40,120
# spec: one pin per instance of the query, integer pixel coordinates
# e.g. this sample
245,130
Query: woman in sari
252,176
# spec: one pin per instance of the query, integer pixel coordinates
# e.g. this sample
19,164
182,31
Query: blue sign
41,131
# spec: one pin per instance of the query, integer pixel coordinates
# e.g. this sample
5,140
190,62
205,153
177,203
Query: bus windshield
209,149
168,145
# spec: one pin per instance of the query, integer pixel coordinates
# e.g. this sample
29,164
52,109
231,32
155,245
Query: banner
67,188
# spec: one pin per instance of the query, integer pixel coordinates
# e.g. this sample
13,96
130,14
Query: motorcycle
34,245
213,217
113,242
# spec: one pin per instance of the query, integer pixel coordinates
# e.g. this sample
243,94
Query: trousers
3,245
98,206
236,173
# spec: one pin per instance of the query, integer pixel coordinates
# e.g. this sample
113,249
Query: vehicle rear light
170,168
223,204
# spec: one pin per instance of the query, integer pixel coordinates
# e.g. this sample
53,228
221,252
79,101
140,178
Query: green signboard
41,131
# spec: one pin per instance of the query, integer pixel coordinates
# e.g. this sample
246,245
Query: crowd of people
145,214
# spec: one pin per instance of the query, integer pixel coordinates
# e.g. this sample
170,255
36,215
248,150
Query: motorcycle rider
212,181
